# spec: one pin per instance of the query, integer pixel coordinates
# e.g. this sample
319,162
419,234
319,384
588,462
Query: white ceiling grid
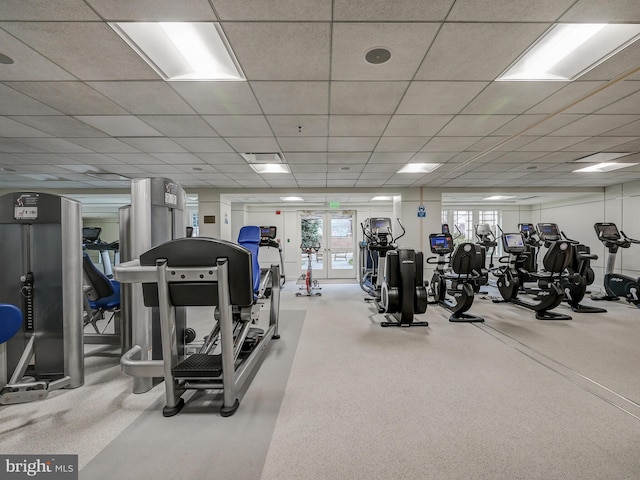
77,96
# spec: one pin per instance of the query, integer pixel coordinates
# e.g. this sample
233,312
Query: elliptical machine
465,264
486,240
393,278
550,293
615,284
574,282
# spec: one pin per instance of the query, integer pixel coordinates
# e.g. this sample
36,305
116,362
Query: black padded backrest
97,280
201,252
558,257
466,258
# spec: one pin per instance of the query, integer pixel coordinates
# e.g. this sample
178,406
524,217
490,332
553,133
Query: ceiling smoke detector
377,55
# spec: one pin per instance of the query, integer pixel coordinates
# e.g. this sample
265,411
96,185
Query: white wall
619,204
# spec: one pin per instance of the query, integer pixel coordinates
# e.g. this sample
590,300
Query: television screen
513,240
608,230
381,224
268,232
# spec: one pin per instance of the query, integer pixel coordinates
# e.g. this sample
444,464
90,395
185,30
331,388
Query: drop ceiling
79,109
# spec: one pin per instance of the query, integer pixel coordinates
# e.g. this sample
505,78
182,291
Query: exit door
331,238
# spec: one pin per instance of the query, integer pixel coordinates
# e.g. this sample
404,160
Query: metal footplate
199,365
32,391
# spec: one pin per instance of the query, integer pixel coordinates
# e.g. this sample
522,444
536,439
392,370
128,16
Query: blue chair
249,238
102,295
10,321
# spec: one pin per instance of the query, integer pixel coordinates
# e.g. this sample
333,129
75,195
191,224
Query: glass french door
328,241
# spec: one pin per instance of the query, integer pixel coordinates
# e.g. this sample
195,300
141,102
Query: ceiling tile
276,98
348,157
45,10
449,144
254,144
400,144
510,97
508,10
240,125
60,126
627,105
552,144
203,144
119,125
438,97
179,125
357,125
55,145
154,145
134,158
580,93
306,157
15,103
179,158
407,42
144,97
13,146
352,144
218,98
296,51
309,168
416,125
11,128
71,98
90,51
274,10
357,98
390,157
481,51
154,10
399,10
335,183
595,125
474,125
303,144
598,144
299,125
432,157
28,64
616,65
603,11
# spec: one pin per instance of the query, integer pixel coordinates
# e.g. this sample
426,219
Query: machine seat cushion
10,321
108,303
249,237
201,252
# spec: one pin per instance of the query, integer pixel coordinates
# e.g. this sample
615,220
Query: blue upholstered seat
10,321
249,238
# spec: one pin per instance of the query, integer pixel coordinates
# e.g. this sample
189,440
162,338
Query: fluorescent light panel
292,199
567,51
604,167
381,198
270,167
500,197
182,50
419,167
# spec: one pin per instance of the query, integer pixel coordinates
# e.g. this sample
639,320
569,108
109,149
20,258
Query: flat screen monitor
549,231
91,234
268,232
608,231
441,243
527,228
513,242
380,224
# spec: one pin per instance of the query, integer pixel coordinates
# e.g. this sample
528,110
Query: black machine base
171,411
465,318
545,315
228,411
412,324
584,309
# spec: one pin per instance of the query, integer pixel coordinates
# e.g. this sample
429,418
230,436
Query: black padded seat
201,252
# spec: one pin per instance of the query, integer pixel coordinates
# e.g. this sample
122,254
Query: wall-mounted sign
422,211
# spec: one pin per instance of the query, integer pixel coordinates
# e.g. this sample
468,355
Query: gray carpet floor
339,397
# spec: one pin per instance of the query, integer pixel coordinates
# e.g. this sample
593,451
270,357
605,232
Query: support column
214,214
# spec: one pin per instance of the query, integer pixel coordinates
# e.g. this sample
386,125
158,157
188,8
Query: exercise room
320,239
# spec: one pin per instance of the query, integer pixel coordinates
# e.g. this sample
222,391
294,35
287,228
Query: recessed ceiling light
345,169
567,50
292,199
381,198
270,167
265,157
419,167
500,197
377,56
182,50
604,167
602,157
